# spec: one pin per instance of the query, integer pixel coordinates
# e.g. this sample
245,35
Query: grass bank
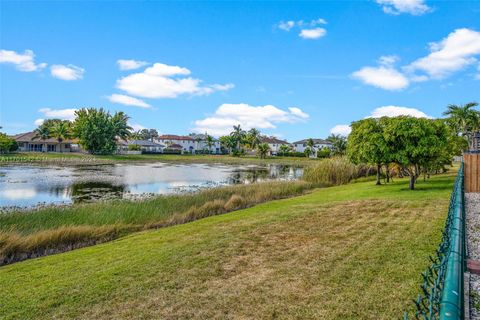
348,252
34,157
50,230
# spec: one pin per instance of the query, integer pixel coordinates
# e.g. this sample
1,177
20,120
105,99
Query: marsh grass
25,235
335,171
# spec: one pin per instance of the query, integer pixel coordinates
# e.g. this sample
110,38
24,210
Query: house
201,145
274,144
318,144
193,143
145,146
29,142
173,149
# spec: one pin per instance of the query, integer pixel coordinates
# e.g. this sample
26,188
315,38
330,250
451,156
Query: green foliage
284,149
464,120
97,130
252,138
7,144
263,150
339,144
134,147
324,153
229,143
144,134
334,171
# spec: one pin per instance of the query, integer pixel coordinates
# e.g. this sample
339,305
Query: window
51,148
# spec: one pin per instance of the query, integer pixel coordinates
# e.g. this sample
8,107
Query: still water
31,185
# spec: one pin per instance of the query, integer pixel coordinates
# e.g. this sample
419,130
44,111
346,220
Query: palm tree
238,134
307,152
284,149
253,138
464,119
42,133
339,144
228,142
61,131
262,150
209,142
120,125
310,145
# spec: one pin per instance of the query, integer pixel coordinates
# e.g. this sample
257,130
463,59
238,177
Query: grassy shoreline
349,252
30,234
74,158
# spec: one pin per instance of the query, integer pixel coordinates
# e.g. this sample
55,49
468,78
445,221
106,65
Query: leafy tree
366,144
209,142
307,151
61,130
7,144
324,153
464,119
238,134
415,142
98,131
263,149
284,149
339,144
253,138
228,142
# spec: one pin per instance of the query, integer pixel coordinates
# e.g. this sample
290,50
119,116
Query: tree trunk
411,186
387,173
379,169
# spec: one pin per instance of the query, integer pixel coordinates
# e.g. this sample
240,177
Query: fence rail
442,288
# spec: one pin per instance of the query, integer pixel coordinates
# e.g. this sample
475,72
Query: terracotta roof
30,137
272,140
315,141
174,146
173,137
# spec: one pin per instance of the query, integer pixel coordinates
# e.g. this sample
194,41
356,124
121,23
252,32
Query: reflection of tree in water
271,172
94,191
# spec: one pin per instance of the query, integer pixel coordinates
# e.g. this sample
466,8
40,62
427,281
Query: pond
32,185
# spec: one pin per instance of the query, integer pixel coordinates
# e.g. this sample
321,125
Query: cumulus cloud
341,129
136,126
67,73
260,117
451,54
48,113
22,61
385,76
395,111
396,7
165,81
128,101
308,29
130,64
315,33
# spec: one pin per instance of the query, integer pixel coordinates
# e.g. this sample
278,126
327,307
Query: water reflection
29,185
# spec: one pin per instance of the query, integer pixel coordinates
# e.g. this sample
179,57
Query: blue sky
292,69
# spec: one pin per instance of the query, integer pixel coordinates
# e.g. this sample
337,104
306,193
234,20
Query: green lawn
347,252
78,157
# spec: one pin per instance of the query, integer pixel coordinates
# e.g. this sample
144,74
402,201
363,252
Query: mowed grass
348,252
185,158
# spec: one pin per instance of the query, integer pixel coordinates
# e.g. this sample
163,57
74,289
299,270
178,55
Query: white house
190,144
274,144
300,146
146,146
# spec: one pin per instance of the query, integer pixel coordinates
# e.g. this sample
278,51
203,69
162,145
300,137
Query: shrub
134,147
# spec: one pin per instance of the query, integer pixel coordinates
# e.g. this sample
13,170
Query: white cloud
286,25
260,117
22,61
341,129
396,7
395,111
64,114
315,33
453,53
128,101
38,122
163,81
384,76
67,73
130,64
136,126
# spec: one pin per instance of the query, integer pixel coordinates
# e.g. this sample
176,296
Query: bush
335,171
134,147
7,144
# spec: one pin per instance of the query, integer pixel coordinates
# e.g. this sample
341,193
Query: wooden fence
472,172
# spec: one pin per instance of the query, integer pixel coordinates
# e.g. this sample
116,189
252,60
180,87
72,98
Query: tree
464,119
366,144
311,146
415,142
238,135
98,131
253,138
209,141
228,142
339,144
61,130
263,149
307,152
284,149
7,144
43,133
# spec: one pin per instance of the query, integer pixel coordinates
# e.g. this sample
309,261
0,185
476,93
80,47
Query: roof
173,137
272,140
30,137
315,141
174,146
